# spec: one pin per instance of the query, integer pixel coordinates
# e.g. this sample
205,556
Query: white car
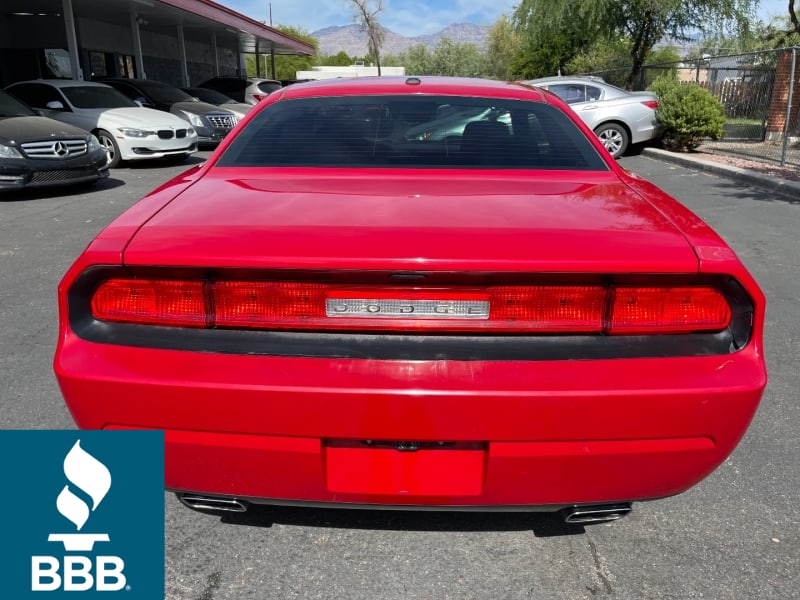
126,130
618,117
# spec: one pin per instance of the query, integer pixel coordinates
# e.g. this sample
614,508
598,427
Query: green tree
504,45
544,55
286,66
610,59
779,32
448,58
663,62
549,39
642,22
340,59
417,60
456,59
607,58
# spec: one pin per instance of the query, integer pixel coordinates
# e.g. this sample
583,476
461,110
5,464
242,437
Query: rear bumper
645,129
502,433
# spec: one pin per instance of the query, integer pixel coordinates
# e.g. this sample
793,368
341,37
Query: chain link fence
760,92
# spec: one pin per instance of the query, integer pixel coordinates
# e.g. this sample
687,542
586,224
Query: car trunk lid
563,222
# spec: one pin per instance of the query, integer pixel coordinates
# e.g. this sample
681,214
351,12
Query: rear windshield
269,86
413,131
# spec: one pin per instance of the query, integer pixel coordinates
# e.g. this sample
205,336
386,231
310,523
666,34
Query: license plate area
405,468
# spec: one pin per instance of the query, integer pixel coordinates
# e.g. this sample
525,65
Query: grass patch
743,121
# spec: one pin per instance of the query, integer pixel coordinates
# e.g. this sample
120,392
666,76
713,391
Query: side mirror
55,105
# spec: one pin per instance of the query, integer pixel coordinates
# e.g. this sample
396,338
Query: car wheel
108,142
614,137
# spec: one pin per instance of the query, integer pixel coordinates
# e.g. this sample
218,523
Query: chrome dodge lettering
418,309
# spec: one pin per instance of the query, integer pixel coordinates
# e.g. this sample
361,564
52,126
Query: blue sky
407,17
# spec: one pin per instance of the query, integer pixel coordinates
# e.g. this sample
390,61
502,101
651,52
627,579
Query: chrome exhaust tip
602,513
213,504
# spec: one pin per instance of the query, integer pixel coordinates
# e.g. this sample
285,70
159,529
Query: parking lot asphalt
735,535
777,186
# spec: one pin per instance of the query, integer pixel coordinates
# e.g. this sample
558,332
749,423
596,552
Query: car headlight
135,133
94,144
193,118
9,152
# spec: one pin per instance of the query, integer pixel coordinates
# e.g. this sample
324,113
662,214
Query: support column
182,52
72,40
242,61
216,54
137,46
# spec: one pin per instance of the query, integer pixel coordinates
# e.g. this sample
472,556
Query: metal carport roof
199,19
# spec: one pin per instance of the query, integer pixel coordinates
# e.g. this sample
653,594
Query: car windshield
210,96
163,93
11,107
413,131
91,96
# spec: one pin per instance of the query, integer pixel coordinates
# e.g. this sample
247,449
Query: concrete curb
788,190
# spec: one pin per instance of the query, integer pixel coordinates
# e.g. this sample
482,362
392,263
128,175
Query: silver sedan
618,117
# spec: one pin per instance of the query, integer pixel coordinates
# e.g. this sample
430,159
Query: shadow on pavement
541,524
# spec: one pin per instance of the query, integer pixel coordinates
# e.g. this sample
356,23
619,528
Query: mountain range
353,41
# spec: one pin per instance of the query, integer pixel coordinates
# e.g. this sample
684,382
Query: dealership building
181,42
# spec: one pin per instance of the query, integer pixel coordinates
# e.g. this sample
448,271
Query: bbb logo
80,572
83,514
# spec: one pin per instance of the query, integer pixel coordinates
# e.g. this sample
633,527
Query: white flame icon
92,477
87,474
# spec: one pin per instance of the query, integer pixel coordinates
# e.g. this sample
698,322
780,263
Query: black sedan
39,152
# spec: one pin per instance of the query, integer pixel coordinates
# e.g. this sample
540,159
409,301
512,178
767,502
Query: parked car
39,152
219,100
210,122
126,130
331,312
250,90
618,117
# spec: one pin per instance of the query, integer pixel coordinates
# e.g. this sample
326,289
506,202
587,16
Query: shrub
686,114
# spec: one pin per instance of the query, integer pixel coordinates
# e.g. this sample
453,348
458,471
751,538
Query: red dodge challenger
416,293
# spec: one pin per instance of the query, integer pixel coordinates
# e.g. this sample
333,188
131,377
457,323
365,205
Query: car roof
235,78
567,78
63,83
455,86
137,81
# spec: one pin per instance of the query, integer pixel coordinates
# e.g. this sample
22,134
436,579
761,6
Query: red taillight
550,308
675,309
651,104
615,310
259,97
151,302
266,304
